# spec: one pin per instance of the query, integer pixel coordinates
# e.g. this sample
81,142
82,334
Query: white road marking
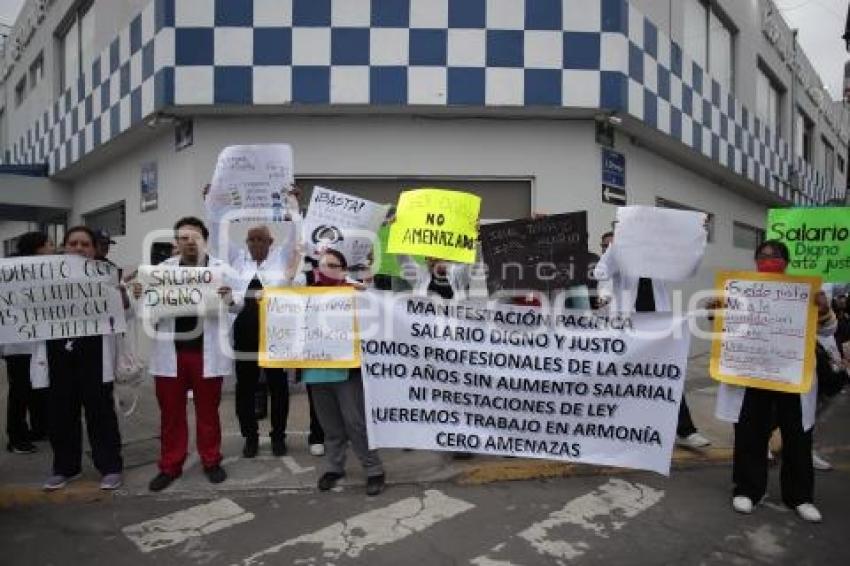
615,501
366,531
294,467
189,523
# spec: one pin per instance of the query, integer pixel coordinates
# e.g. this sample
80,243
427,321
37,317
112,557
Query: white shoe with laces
742,504
693,440
809,513
819,463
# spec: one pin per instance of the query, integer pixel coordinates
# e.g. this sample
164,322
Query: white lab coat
40,374
419,277
622,289
730,399
37,352
271,272
216,337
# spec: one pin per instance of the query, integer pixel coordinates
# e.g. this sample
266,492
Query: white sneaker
694,440
819,463
742,504
809,513
317,449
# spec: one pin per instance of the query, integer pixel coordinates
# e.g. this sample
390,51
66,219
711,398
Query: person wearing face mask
81,371
338,395
755,412
186,355
24,399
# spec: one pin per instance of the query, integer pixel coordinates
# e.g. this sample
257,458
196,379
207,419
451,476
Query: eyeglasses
334,266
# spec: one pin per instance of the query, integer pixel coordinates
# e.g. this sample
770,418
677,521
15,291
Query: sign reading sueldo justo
817,238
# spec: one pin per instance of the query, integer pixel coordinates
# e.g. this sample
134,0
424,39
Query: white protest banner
309,327
250,177
660,243
765,337
345,223
58,296
504,380
174,290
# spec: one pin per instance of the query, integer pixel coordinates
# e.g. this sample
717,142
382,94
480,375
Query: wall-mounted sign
149,187
613,177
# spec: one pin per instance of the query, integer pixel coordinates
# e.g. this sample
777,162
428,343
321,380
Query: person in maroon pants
188,354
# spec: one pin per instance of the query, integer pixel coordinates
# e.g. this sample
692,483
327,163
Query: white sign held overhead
342,222
659,243
250,177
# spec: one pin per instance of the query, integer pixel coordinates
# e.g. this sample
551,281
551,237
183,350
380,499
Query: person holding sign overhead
188,354
622,292
755,413
81,372
259,264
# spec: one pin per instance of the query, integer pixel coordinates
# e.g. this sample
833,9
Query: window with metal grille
112,219
745,236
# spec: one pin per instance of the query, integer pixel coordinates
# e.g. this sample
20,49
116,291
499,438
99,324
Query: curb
79,492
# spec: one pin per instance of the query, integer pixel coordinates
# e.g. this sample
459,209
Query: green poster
389,262
818,239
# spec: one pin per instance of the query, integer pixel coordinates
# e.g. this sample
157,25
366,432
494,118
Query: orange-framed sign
309,327
765,336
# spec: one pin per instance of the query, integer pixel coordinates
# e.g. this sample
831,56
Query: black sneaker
375,485
215,474
279,447
161,481
25,447
328,480
252,446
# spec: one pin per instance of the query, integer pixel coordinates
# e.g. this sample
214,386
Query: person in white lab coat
619,292
755,413
188,353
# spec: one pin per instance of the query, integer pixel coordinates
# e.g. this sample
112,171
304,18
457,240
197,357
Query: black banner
542,254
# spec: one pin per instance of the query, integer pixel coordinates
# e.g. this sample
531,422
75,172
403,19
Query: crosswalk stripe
367,531
189,523
615,501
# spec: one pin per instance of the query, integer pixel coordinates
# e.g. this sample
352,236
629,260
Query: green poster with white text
818,239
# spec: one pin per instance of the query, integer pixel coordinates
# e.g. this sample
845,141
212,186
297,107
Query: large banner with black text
512,381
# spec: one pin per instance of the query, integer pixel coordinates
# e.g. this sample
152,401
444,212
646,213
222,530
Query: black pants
247,380
68,394
761,411
24,401
685,426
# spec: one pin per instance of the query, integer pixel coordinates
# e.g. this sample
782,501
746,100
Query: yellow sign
765,336
436,223
309,327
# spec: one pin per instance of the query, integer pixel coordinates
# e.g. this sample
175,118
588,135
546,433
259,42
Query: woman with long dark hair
26,420
81,373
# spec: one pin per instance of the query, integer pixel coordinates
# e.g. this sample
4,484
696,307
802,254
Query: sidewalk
21,475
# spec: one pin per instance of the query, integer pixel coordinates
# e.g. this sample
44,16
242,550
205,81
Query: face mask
771,265
323,280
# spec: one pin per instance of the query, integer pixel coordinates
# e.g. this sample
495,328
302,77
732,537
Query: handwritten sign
49,297
659,243
252,177
536,254
765,338
511,381
436,223
309,327
342,222
818,240
173,290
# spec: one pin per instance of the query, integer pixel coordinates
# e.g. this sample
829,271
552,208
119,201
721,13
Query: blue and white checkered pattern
483,53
